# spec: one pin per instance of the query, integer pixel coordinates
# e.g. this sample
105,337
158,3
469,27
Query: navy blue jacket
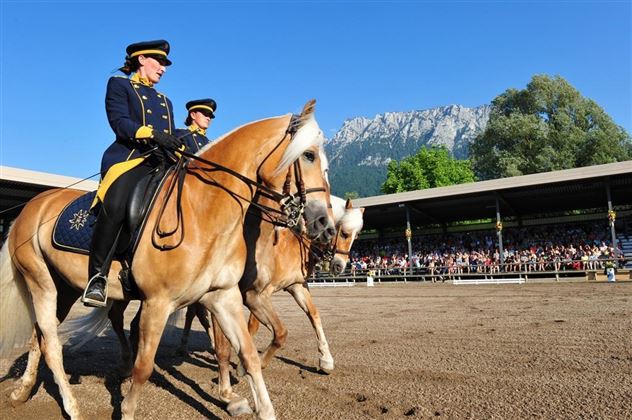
130,105
194,141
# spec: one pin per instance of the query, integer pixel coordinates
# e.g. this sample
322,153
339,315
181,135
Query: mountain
361,150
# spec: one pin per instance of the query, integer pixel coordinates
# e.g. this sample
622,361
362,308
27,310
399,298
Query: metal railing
564,269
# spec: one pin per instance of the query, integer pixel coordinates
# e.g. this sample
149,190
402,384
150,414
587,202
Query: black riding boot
104,241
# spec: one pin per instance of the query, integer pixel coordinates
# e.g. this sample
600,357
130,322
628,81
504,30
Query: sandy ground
554,350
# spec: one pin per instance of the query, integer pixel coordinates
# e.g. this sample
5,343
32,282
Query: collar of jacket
136,77
195,129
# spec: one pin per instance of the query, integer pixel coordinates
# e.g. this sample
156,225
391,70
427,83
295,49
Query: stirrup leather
92,302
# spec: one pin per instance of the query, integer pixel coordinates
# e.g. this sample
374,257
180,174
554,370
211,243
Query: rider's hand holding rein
167,141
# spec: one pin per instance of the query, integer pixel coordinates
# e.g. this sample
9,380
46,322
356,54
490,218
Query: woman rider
200,114
142,119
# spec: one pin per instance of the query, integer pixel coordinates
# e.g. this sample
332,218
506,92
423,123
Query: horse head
303,167
349,223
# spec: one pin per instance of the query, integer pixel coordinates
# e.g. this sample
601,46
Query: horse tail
16,309
76,332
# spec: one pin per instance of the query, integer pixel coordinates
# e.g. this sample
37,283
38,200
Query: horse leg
236,405
227,307
116,318
24,386
47,310
184,341
153,319
301,294
203,316
261,307
253,324
67,296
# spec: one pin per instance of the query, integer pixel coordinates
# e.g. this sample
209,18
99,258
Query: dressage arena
546,350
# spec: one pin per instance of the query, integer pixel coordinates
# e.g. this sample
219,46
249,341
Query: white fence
491,280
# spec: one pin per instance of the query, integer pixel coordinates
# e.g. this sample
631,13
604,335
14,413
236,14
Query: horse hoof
326,366
17,398
238,407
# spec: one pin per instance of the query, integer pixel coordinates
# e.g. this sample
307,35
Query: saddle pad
74,226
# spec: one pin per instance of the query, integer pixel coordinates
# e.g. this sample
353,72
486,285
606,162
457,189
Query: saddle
74,226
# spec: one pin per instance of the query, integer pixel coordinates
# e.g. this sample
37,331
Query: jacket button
144,97
150,126
149,111
165,130
164,117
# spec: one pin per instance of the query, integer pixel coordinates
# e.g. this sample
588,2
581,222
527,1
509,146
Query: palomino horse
289,275
206,266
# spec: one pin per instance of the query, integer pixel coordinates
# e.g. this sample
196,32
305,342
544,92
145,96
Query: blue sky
260,59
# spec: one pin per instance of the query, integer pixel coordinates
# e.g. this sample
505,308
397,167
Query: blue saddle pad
74,226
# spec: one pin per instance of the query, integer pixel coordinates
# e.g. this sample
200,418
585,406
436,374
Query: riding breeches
110,219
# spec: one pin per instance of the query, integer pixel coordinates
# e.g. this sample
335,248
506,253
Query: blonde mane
309,134
351,220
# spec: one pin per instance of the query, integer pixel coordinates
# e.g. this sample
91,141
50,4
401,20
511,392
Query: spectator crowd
526,249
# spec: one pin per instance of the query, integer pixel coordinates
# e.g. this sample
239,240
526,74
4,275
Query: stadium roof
570,189
17,186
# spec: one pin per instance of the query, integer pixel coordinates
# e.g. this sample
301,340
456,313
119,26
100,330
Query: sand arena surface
554,350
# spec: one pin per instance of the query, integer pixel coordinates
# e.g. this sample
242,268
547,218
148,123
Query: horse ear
362,210
308,109
348,204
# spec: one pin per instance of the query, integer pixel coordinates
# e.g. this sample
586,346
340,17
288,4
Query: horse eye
344,235
309,156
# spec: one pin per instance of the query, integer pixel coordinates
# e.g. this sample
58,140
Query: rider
201,112
142,119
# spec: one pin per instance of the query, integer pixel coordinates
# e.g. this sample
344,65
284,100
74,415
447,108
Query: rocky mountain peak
368,143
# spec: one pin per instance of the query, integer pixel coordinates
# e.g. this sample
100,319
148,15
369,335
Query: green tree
429,168
547,126
351,195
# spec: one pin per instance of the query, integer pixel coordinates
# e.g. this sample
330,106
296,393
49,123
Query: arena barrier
331,282
490,280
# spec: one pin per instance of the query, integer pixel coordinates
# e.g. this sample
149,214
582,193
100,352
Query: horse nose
337,267
326,228
329,233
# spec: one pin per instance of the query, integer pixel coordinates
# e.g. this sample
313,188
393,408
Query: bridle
328,252
291,206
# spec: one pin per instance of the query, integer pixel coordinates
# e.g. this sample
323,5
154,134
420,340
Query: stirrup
93,302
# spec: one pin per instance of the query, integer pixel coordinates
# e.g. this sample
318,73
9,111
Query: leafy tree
547,126
351,195
429,168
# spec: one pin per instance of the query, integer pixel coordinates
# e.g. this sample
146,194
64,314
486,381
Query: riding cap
206,106
158,49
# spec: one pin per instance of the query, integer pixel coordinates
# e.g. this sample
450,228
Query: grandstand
496,208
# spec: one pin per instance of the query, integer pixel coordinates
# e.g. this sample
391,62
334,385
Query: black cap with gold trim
207,106
158,49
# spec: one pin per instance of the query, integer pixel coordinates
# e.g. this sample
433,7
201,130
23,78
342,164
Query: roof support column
499,233
611,220
409,235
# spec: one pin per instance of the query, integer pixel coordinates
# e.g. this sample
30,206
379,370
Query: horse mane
308,134
349,219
